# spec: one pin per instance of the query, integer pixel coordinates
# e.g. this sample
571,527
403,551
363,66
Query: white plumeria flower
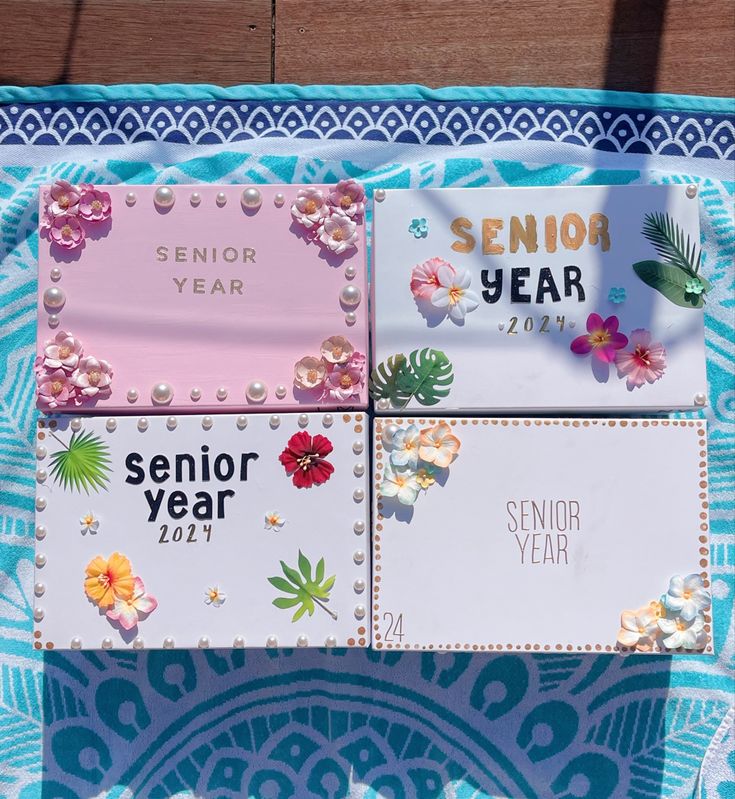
88,523
405,445
454,292
215,596
274,520
687,596
400,483
639,628
687,634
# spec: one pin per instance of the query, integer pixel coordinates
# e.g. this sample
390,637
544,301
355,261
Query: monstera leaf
304,591
426,375
83,465
671,281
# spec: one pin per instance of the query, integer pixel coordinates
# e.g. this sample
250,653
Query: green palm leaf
669,242
302,589
389,381
83,465
425,375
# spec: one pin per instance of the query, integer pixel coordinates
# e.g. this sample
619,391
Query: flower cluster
112,586
437,282
64,375
331,219
644,361
416,460
676,621
338,374
68,209
304,459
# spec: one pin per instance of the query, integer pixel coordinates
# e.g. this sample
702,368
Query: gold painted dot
41,436
612,423
527,423
358,428
464,421
346,417
37,645
623,423
350,642
49,645
703,563
37,634
575,423
361,642
474,421
378,645
53,424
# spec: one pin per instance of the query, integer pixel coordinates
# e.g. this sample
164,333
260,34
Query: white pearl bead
327,420
40,560
107,643
251,198
221,199
359,586
350,272
203,642
383,404
132,395
76,643
164,197
388,433
38,614
358,495
303,420
379,195
55,274
360,611
54,298
195,198
137,643
168,643
330,641
111,425
280,392
271,641
239,642
358,447
275,421
359,527
350,296
142,424
207,422
195,394
359,557
40,532
171,422
359,470
40,503
242,422
76,424
130,198
41,475
278,199
256,391
691,191
39,589
350,318
40,452
700,399
221,393
53,320
302,640
162,394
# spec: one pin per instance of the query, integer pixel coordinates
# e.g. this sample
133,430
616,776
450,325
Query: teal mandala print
340,723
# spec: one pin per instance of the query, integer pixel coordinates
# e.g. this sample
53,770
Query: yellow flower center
64,351
346,201
273,519
63,201
312,375
687,594
94,377
96,205
599,338
345,381
66,231
338,234
103,579
213,594
310,206
88,519
337,352
304,462
56,387
642,354
455,295
680,625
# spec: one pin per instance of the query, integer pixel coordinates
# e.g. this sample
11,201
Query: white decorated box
541,535
538,299
202,531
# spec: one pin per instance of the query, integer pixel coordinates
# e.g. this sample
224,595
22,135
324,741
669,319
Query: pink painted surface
125,307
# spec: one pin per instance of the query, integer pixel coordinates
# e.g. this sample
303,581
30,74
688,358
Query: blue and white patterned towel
358,724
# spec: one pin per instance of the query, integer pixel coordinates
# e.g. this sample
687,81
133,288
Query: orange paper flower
109,580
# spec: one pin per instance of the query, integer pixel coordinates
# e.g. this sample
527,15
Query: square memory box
201,298
202,531
538,299
574,535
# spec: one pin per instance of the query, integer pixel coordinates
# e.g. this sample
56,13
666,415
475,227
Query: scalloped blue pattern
350,723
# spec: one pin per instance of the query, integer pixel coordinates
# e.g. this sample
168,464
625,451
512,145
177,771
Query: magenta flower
425,277
349,196
309,208
644,363
602,338
345,380
55,388
94,205
92,377
338,232
63,352
62,198
66,231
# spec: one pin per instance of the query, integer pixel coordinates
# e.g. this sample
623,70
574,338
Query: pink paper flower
63,352
345,380
349,196
338,233
644,363
55,388
602,338
336,349
309,373
127,611
94,205
425,277
62,199
310,207
66,231
92,377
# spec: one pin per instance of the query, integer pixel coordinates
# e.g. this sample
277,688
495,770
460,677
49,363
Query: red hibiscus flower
304,458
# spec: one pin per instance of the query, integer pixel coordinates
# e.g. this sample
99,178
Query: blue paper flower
616,295
419,228
694,286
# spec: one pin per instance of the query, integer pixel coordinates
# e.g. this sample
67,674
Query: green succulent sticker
303,591
425,375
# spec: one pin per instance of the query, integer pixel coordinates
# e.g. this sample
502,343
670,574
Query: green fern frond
669,242
84,465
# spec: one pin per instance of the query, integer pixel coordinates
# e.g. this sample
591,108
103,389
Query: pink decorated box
201,298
